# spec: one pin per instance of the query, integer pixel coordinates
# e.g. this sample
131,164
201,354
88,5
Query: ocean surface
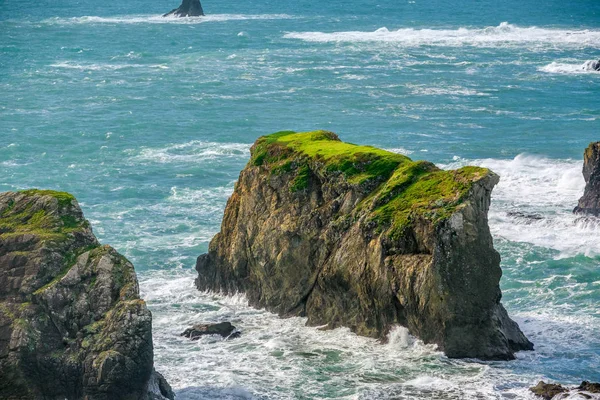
148,121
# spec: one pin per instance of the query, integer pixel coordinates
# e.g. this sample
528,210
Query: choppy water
148,121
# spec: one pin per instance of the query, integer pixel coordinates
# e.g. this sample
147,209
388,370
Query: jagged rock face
188,8
590,201
356,236
72,324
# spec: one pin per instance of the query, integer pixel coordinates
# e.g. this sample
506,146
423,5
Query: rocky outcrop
188,8
224,329
355,236
592,65
552,391
590,201
72,324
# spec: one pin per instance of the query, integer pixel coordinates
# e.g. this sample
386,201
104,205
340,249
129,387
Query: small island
356,236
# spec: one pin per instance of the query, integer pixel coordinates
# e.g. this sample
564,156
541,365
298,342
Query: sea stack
590,202
72,324
355,236
188,8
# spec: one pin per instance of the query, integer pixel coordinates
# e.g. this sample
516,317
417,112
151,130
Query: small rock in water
527,216
225,329
188,8
552,391
592,65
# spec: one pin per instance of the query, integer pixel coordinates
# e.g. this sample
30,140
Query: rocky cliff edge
72,324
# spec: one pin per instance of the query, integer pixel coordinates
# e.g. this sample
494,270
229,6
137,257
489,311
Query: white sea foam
504,34
569,68
104,67
159,19
191,152
534,200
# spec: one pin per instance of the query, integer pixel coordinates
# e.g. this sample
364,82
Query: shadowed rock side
72,324
590,201
356,236
188,8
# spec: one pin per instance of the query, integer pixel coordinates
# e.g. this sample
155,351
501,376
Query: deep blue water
148,122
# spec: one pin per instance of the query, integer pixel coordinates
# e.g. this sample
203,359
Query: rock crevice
355,236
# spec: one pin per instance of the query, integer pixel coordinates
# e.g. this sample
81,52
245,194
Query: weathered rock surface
590,201
72,324
355,236
188,8
552,391
225,329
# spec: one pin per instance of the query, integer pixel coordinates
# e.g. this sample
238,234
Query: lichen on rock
356,236
72,324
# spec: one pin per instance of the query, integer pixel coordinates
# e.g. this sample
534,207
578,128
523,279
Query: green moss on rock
400,188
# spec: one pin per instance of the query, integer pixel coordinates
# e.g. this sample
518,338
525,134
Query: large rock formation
355,236
590,202
72,324
188,8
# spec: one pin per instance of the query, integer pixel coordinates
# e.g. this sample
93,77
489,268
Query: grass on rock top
403,188
27,216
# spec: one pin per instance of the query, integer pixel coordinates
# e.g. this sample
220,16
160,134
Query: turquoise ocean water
148,121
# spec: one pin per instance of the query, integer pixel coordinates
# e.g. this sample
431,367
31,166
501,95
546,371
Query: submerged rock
552,391
592,65
188,8
72,324
355,236
589,203
225,329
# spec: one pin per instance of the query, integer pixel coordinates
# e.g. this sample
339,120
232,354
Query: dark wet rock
552,391
526,216
72,324
592,65
547,390
188,8
225,329
355,236
590,201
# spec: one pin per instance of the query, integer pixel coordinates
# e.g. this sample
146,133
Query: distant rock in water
225,329
356,236
188,8
590,202
551,391
592,65
72,324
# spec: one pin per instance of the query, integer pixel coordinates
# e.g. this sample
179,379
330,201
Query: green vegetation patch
403,188
27,216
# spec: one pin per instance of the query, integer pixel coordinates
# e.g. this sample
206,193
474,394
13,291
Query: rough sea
148,121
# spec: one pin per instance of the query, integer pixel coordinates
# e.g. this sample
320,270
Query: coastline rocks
188,8
592,65
356,236
72,324
589,203
551,391
225,329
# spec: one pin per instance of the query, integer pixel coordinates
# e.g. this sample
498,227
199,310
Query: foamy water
504,34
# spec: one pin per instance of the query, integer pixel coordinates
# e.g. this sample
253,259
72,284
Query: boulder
72,324
552,391
225,329
355,236
188,8
592,65
589,203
